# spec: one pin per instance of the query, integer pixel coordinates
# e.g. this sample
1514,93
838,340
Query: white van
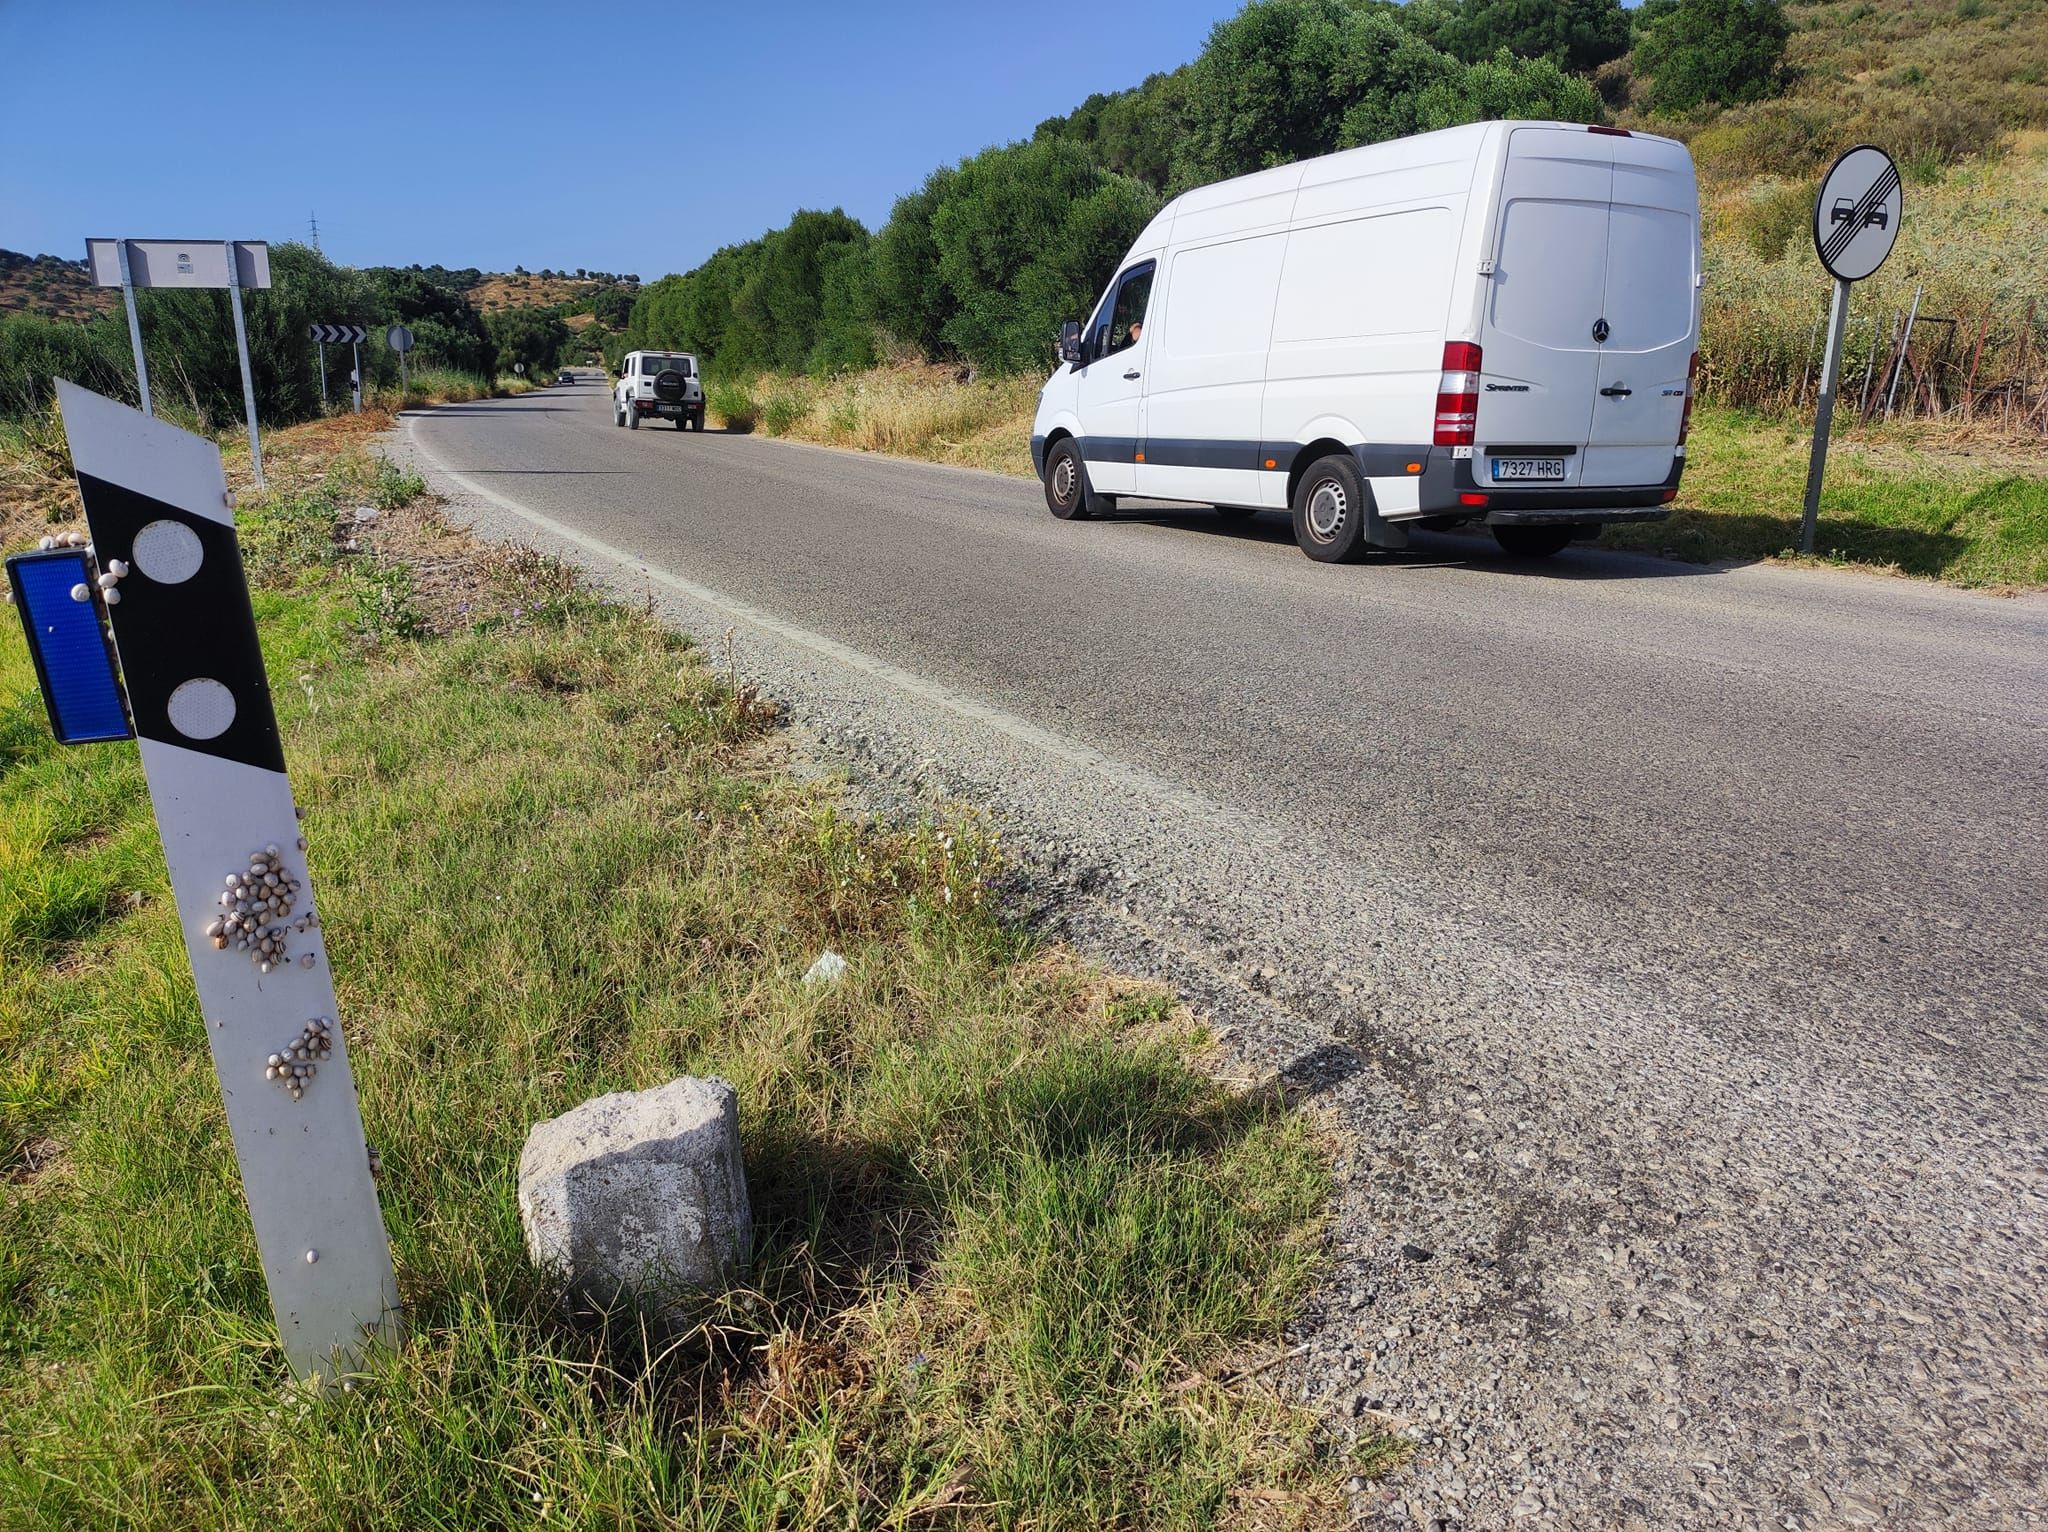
1494,323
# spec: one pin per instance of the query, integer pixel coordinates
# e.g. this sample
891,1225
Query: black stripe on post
199,628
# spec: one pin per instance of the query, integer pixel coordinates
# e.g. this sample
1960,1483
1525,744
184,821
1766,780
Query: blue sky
560,135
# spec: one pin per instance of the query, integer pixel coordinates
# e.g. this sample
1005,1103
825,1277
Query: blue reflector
73,662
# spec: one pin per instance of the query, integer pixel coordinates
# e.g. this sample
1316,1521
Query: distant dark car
567,377
1845,209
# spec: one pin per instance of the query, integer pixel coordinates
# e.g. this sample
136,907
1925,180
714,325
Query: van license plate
1527,468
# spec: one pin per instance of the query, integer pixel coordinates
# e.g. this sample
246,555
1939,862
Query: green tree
912,301
777,309
1133,132
846,308
533,337
1506,87
1286,79
1713,52
1578,35
1026,236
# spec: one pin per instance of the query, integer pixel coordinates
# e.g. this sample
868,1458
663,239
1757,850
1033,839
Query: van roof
1417,149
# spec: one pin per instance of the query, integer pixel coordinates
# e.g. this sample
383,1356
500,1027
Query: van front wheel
1067,493
1330,506
1537,542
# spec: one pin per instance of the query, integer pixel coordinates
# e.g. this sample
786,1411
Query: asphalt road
1672,939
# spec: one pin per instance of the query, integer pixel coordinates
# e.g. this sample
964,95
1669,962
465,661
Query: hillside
502,291
49,285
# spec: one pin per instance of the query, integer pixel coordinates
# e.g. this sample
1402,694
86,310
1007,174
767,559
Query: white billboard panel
179,262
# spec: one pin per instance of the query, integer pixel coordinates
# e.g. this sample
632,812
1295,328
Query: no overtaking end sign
1856,215
1855,225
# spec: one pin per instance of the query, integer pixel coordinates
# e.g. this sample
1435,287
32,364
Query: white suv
659,383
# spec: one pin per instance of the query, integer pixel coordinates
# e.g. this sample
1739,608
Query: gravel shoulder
1639,1226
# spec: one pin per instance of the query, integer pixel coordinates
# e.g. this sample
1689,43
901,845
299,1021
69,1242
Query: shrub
1714,52
1579,35
732,403
785,407
1773,216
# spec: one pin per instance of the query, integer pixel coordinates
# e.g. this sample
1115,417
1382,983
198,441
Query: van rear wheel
1537,542
1068,494
1330,505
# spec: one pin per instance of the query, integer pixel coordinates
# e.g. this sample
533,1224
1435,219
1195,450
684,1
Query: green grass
1008,1239
1968,514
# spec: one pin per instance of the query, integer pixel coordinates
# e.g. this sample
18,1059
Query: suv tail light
1692,372
1457,395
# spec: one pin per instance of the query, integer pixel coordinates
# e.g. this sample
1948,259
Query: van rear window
1649,277
1550,277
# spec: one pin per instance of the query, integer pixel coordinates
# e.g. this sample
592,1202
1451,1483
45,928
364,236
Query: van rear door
1652,288
1540,363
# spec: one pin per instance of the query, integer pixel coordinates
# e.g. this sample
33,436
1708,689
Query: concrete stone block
639,1194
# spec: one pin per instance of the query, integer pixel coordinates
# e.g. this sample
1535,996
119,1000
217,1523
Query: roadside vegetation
1017,1260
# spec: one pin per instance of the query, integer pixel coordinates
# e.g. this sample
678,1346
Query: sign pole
323,373
1824,412
134,329
355,378
242,347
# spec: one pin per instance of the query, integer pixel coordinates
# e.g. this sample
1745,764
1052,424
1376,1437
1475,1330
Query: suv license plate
669,409
1527,468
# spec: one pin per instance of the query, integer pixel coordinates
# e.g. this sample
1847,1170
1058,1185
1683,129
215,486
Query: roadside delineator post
177,602
1855,225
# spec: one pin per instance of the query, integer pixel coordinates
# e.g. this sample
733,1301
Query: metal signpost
164,572
399,339
233,264
1855,225
355,335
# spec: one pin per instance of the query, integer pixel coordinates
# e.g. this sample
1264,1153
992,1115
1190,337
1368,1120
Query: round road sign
1856,215
398,338
519,367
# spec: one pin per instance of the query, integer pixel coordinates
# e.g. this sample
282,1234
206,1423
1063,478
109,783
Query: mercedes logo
1600,332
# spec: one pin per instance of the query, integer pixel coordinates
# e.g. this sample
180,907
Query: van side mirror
1070,341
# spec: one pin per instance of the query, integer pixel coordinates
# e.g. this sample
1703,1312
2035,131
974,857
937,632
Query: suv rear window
651,365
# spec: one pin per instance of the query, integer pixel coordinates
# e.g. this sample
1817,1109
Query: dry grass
910,410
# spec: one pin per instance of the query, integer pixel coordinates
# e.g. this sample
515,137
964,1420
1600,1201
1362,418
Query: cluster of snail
256,908
109,582
294,1065
116,569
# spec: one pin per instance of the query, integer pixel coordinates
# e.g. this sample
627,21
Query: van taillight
1601,127
1457,395
1692,372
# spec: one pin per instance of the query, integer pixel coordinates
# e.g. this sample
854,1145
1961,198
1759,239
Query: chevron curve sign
340,334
